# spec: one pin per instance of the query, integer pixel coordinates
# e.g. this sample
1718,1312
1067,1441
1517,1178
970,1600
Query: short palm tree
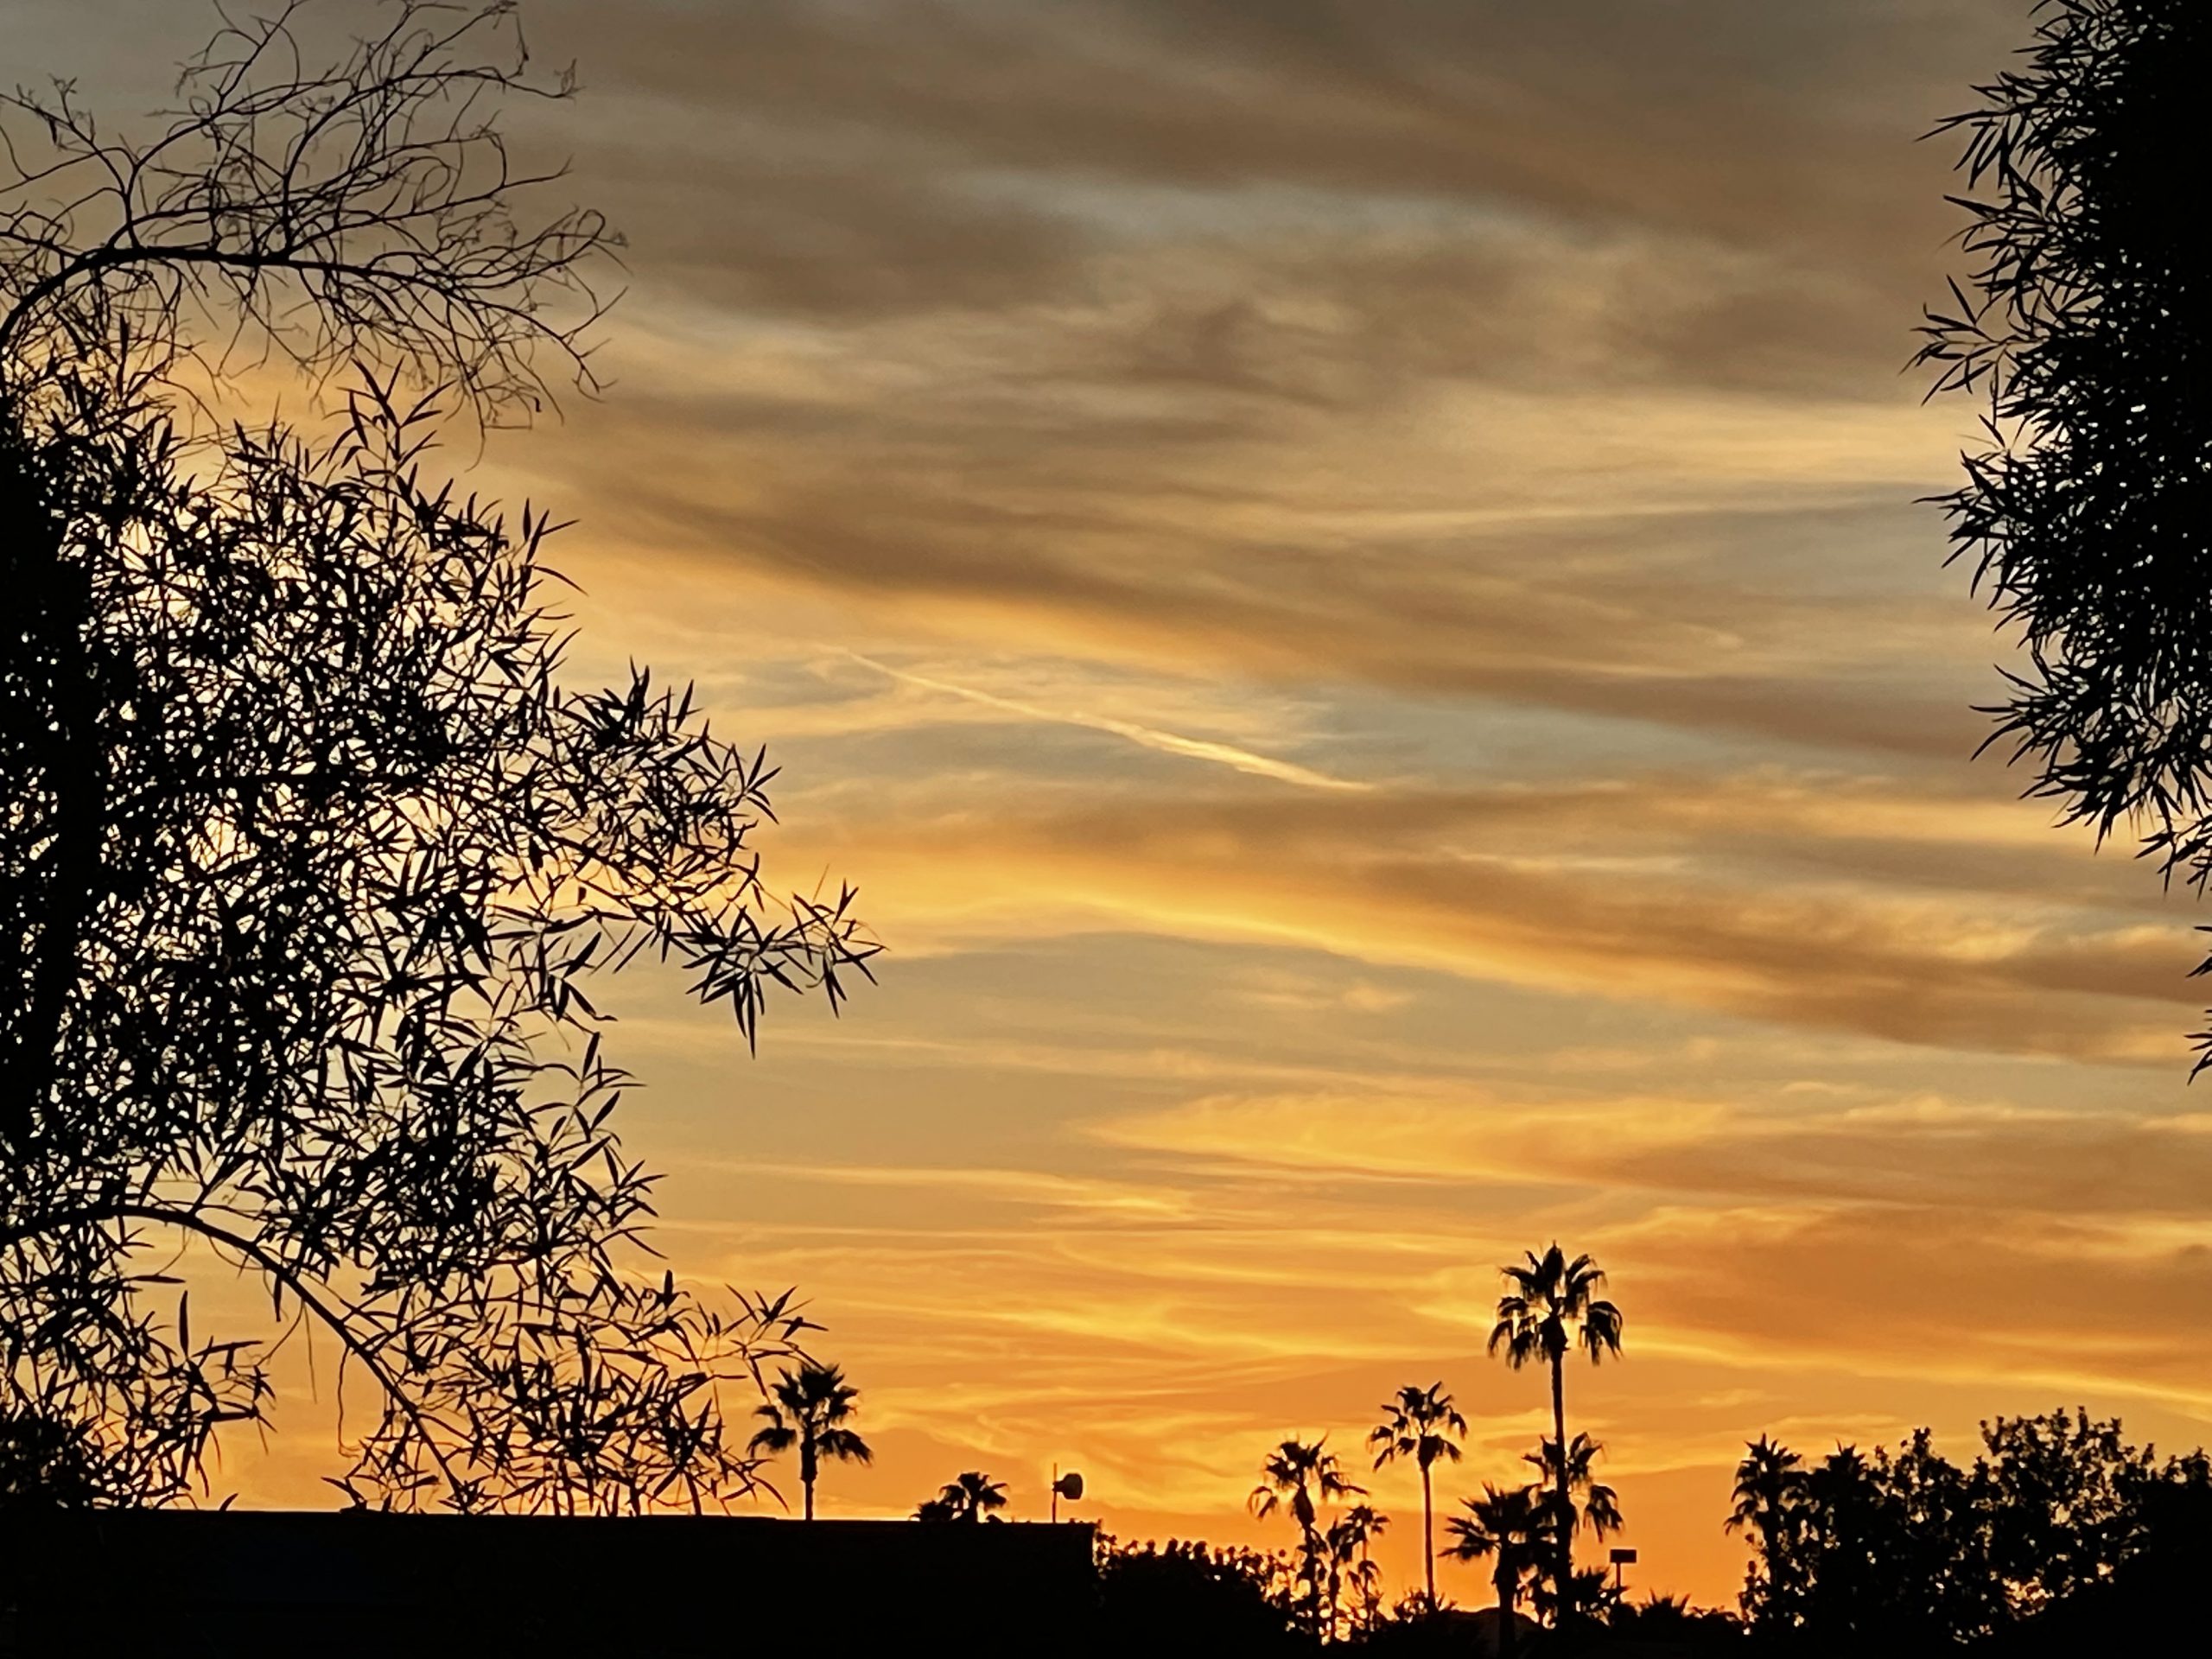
1420,1424
1294,1475
1590,1502
1769,1487
811,1408
1347,1543
1551,1306
973,1496
1594,1596
1771,1506
1510,1528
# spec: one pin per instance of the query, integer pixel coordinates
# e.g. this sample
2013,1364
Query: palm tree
1593,1595
1511,1529
1770,1504
1770,1487
1551,1306
1347,1541
1296,1473
1419,1424
809,1408
972,1496
1601,1506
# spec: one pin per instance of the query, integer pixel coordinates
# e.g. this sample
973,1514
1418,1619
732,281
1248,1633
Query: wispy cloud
1192,748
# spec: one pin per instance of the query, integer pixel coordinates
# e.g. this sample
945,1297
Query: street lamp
1069,1486
1621,1558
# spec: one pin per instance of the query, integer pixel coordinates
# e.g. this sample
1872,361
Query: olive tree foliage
2087,515
308,852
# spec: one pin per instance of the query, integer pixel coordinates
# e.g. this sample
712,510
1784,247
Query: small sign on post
1621,1558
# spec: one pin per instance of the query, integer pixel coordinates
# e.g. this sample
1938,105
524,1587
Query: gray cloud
1752,165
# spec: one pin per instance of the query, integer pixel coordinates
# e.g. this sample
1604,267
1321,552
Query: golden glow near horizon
1345,579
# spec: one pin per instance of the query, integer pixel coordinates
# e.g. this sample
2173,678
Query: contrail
1195,749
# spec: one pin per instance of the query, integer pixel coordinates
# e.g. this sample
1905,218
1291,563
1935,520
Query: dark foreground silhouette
2120,1539
235,1582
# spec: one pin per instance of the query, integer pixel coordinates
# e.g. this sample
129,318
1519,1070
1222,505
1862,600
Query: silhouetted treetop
361,213
311,850
1906,1547
2082,325
970,1496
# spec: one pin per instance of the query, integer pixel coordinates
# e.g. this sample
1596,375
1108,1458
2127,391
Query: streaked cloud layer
1345,578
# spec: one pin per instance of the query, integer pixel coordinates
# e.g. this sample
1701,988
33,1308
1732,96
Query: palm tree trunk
1429,1537
1312,1584
1564,1568
1507,1586
808,1468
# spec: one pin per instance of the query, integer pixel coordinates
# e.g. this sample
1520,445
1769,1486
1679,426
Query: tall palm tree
810,1408
972,1496
1550,1307
1511,1529
1294,1475
1420,1424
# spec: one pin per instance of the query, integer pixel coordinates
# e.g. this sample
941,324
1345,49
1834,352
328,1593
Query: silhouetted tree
2151,1600
1352,1569
1199,1600
1590,1503
1770,1507
1591,1597
811,1409
1551,1308
1851,1537
970,1495
1510,1529
1301,1475
2067,1498
1423,1424
2083,324
1907,1549
309,853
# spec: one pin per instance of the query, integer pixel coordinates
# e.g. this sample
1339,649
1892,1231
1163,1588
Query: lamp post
1621,1558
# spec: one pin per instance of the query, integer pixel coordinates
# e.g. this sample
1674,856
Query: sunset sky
1345,580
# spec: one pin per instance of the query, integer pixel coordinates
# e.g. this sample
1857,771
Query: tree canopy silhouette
970,1496
310,851
1204,1600
1905,1546
2086,516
